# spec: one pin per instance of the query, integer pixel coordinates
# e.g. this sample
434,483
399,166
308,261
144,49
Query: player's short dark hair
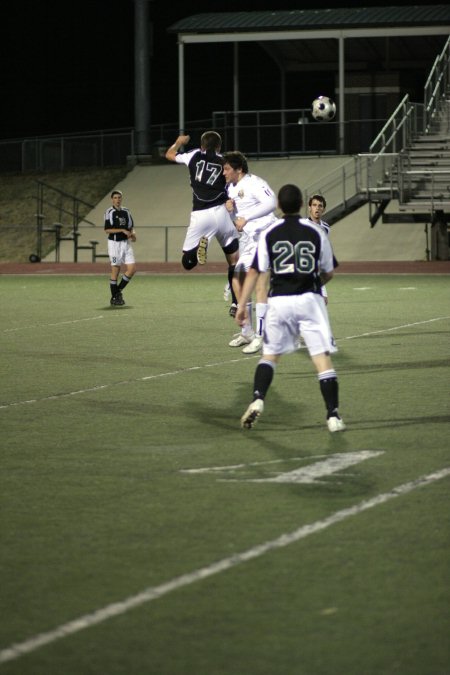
116,192
290,199
318,198
211,141
236,160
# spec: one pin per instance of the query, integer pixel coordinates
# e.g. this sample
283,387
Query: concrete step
425,204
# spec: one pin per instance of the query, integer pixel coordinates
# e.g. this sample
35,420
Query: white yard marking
120,607
217,364
233,467
311,473
307,474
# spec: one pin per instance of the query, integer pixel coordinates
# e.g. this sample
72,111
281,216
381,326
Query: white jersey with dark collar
322,224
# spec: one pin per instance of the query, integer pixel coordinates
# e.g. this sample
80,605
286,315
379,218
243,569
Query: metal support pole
341,98
427,243
142,55
236,93
181,111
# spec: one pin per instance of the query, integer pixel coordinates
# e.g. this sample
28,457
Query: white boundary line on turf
57,397
387,330
153,593
46,325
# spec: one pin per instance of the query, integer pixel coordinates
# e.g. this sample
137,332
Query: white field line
181,371
233,467
387,330
46,325
17,650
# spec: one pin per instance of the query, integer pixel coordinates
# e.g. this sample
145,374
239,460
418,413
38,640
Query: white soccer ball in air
323,109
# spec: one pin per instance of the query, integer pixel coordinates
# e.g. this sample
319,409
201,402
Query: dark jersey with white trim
206,176
118,219
295,252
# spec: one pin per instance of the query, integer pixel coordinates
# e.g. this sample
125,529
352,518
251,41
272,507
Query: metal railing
437,85
70,151
61,204
404,124
258,133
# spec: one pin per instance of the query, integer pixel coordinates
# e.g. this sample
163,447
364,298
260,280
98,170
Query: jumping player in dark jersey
300,260
209,216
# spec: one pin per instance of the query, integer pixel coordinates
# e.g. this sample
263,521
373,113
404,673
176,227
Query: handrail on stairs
437,85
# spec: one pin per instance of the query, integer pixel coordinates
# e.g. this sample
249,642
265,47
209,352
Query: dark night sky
69,66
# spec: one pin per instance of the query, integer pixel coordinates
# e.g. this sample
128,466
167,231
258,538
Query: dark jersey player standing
209,216
119,227
300,259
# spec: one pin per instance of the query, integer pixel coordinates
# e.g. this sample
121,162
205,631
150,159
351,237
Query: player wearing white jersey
209,216
252,203
300,260
316,208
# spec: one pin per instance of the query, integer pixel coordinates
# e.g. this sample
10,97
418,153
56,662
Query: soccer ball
323,109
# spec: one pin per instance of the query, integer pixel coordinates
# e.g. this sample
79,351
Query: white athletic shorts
247,249
289,316
214,222
120,252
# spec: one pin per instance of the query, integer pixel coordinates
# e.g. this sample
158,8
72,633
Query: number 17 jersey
207,179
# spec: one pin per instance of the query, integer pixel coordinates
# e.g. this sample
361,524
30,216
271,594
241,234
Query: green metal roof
361,17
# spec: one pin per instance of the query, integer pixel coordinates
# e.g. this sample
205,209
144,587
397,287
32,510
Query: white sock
260,313
247,329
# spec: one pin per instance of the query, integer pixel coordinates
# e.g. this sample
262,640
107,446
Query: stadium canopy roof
314,40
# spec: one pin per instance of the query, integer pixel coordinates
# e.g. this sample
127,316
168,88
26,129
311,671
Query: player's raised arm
174,148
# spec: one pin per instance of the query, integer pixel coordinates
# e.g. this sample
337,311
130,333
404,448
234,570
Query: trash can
440,249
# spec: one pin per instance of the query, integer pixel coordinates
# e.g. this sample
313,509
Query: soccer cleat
226,292
254,346
119,299
202,250
239,340
335,424
254,410
233,309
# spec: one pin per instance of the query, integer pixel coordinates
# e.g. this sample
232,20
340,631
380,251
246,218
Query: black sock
231,269
263,377
124,282
113,287
329,389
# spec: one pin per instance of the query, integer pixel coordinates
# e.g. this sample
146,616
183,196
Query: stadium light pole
142,55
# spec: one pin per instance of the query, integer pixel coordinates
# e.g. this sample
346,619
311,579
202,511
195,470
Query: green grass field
144,533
